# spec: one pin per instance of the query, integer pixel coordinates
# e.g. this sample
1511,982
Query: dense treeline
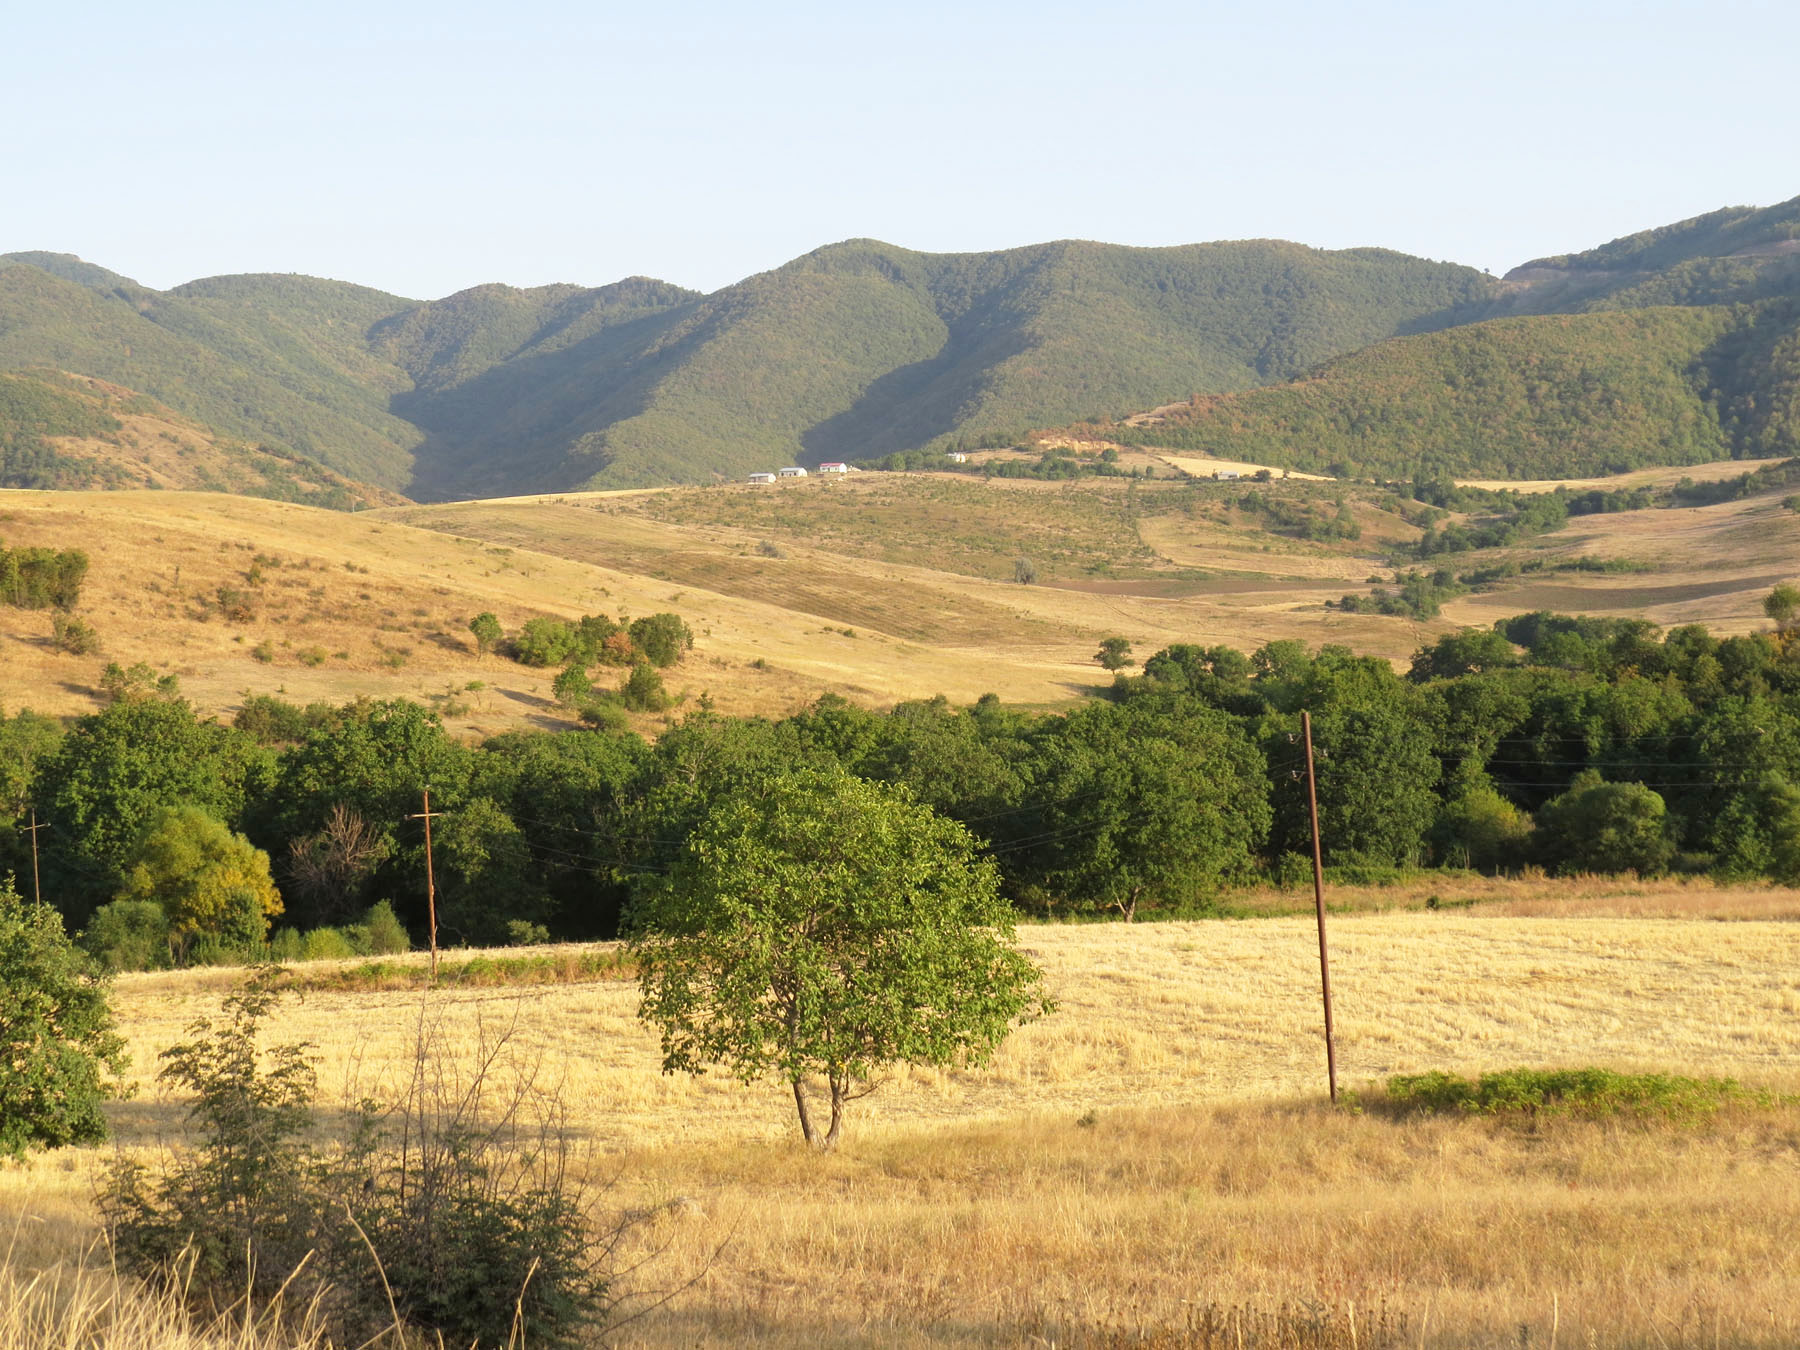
42,578
1535,397
32,408
1582,744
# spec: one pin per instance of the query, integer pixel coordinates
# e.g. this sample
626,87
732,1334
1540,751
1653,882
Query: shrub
128,935
1588,1092
1025,572
263,651
661,638
71,635
605,714
326,944
477,1229
544,642
136,682
387,935
237,605
57,1042
524,933
643,689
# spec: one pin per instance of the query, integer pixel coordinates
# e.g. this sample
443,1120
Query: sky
425,148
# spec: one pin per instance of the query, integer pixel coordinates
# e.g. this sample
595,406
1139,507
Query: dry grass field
1158,1145
879,587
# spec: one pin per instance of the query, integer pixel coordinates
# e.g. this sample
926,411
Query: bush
71,635
544,642
1566,1092
387,935
524,933
477,1229
326,944
662,639
643,689
57,1042
128,935
605,714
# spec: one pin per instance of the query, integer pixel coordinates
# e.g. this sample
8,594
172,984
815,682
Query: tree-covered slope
1534,397
1735,255
273,359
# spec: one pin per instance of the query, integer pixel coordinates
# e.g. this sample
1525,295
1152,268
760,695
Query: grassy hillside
1537,397
71,431
264,359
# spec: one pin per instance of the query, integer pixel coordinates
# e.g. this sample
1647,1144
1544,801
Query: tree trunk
806,1125
837,1116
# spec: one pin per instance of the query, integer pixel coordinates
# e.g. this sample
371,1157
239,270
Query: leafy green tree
572,686
486,874
662,639
115,770
1480,828
1598,826
544,642
1114,653
128,935
210,882
57,1040
487,632
643,689
1782,604
1139,810
828,926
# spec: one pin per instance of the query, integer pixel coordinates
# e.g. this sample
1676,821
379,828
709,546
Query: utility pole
37,889
1312,801
430,886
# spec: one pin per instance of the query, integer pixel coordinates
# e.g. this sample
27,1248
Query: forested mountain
1540,397
1667,346
856,349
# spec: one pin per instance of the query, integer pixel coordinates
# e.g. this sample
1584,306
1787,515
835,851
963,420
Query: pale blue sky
423,148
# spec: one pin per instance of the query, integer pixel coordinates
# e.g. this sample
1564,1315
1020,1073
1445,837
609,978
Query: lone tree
1115,653
827,927
487,632
57,1041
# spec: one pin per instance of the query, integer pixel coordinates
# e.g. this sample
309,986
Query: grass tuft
1593,1093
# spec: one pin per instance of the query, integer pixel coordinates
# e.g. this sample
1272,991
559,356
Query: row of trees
1177,786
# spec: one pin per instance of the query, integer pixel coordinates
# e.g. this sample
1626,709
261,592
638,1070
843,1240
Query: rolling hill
1670,346
855,349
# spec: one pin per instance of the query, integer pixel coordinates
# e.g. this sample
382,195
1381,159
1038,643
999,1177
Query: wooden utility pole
430,885
37,889
1312,802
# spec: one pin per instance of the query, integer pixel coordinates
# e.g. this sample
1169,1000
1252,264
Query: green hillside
1539,397
1737,255
264,358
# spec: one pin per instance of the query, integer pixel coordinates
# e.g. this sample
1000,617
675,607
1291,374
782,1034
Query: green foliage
386,934
57,1040
32,408
663,639
1481,829
1591,1093
572,687
42,578
73,635
1598,826
1114,653
1417,595
831,926
488,633
544,642
210,882
137,682
643,689
128,935
274,721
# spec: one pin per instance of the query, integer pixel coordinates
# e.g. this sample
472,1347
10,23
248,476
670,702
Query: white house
1224,475
762,478
957,457
834,466
793,471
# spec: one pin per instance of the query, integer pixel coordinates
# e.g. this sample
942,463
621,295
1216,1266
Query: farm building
957,457
1224,475
762,478
834,466
793,471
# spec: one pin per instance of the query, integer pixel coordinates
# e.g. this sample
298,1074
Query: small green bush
1589,1092
71,635
128,935
525,933
387,935
326,944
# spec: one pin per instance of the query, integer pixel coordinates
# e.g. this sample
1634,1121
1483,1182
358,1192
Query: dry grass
1158,1145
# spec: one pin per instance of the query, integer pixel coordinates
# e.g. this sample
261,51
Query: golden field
880,587
1159,1145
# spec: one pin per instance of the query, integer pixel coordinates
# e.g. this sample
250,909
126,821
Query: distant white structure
762,478
1224,475
834,466
957,457
793,471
